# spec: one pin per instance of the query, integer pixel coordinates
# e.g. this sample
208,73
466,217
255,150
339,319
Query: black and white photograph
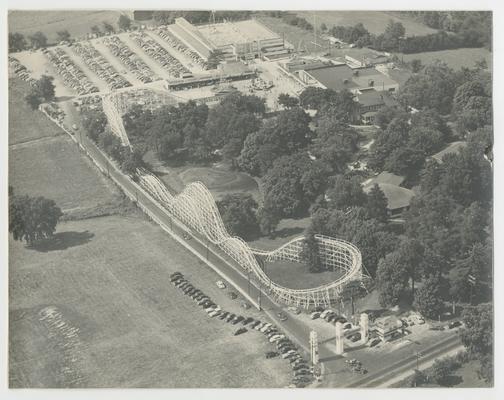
249,198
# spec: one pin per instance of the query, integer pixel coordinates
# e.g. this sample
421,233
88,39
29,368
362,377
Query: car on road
281,316
454,324
220,285
294,310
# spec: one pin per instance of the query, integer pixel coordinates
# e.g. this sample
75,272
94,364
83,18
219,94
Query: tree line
473,32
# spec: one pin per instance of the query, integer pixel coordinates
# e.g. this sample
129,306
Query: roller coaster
196,209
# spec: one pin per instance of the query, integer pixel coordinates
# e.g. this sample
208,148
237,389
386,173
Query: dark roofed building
398,198
370,101
453,147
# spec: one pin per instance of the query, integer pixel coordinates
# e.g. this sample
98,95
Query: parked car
281,316
454,324
245,305
315,315
220,285
232,295
356,337
239,331
247,320
271,354
374,342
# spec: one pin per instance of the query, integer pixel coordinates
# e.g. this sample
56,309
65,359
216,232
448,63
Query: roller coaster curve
196,209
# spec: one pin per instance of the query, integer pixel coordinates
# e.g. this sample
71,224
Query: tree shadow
285,232
63,98
452,380
62,241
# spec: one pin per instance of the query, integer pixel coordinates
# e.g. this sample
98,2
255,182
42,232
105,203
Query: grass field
44,161
94,308
456,58
78,23
374,21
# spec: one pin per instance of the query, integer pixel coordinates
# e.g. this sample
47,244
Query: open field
456,58
24,123
78,23
44,161
374,21
95,308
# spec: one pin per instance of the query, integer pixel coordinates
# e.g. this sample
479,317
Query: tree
132,161
416,65
407,161
429,298
238,212
63,36
42,91
17,42
95,29
310,253
124,22
376,204
37,40
440,371
287,101
108,27
323,27
418,378
215,58
477,336
392,280
32,218
346,192
413,258
268,218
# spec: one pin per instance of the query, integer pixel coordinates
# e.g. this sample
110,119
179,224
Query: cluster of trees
291,18
37,40
200,17
239,214
32,218
404,141
475,31
42,91
447,235
95,124
467,93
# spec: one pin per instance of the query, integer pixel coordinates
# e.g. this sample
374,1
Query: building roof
385,177
453,147
371,97
226,33
397,196
340,77
388,324
337,77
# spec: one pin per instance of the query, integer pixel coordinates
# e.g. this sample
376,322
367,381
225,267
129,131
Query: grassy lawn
456,58
44,161
24,123
78,23
374,21
95,308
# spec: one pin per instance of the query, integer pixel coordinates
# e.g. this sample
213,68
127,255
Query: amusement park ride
196,209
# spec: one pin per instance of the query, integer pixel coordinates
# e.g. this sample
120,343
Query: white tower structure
364,327
339,338
314,348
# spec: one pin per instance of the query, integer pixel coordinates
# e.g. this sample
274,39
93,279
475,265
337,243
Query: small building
452,148
388,327
366,60
398,198
370,101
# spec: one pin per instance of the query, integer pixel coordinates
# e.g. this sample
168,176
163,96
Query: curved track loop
196,208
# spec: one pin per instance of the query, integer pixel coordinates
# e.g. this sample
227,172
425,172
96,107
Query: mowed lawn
78,23
44,161
455,59
24,123
374,21
95,308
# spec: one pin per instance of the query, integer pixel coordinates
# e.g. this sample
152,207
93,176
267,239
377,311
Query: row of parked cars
20,70
71,74
158,53
328,315
163,32
101,67
284,346
130,60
